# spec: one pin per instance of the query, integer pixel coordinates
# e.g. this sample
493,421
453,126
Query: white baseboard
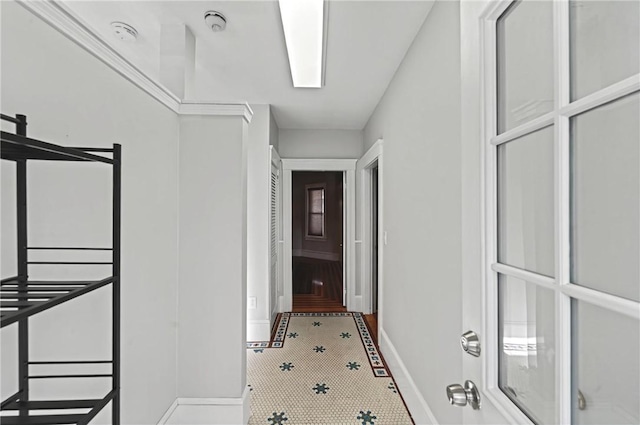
320,255
168,413
258,330
210,411
416,403
357,303
281,304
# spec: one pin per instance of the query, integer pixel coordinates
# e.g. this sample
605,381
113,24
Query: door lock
470,343
582,402
461,396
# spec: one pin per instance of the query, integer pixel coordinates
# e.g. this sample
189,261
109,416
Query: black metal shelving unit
22,298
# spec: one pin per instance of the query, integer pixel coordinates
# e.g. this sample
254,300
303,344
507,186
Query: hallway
506,237
322,368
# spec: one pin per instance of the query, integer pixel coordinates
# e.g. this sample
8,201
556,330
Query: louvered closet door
273,275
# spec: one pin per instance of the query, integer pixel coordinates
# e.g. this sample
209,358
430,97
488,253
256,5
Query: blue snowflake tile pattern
344,382
353,365
286,366
277,419
293,335
366,418
320,388
317,323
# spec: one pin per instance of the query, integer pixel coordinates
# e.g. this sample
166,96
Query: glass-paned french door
562,134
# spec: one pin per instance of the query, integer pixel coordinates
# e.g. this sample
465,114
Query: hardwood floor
316,304
317,288
320,277
317,285
372,323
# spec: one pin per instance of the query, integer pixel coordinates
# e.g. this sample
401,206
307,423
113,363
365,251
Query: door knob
461,396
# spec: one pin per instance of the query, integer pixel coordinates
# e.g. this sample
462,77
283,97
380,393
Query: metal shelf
15,148
21,298
33,408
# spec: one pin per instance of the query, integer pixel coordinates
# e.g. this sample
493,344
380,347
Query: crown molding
60,18
211,108
70,25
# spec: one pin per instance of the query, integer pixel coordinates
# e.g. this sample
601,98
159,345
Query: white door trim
348,166
364,167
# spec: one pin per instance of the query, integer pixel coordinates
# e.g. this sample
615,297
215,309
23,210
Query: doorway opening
374,241
317,211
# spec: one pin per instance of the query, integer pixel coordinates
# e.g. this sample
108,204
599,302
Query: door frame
348,167
473,60
365,165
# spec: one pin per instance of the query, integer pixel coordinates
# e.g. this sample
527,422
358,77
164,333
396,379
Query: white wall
334,144
71,98
419,119
212,257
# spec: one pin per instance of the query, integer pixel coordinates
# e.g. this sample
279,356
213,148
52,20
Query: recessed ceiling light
215,20
303,23
124,32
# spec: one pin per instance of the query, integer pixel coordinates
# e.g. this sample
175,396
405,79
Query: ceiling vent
215,20
124,32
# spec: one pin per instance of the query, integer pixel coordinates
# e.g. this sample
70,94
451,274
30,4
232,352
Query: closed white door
557,300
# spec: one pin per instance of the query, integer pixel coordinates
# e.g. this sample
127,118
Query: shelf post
23,325
117,156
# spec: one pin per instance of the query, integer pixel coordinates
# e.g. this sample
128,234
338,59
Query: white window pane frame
564,290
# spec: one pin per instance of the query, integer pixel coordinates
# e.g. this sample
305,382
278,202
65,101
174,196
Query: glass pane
527,347
605,44
315,225
525,63
606,358
316,200
605,189
526,202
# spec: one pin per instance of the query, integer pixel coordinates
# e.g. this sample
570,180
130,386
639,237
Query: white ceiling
248,62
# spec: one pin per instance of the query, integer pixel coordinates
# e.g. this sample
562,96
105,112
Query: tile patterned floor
322,369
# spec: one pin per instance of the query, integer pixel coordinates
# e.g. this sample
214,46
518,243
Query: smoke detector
124,32
215,20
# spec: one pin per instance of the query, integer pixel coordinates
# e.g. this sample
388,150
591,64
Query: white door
551,209
275,281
